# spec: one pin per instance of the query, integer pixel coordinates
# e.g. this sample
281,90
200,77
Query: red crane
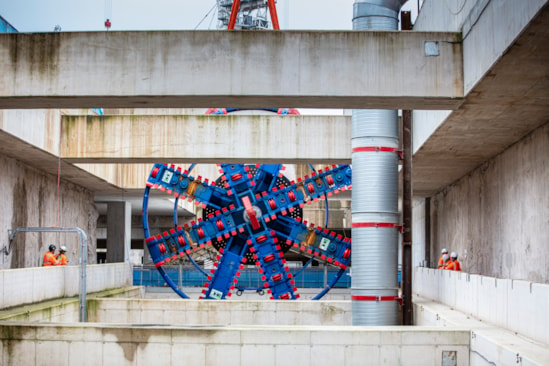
236,7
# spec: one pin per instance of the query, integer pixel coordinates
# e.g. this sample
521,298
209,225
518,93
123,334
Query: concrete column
407,306
119,216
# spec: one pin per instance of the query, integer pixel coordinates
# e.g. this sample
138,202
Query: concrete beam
337,69
44,161
206,139
502,108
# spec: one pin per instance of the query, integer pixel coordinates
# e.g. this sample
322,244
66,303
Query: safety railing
186,276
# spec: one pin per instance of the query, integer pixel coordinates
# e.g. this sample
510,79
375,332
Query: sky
90,15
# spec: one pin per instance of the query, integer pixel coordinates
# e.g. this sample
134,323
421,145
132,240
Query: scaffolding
252,15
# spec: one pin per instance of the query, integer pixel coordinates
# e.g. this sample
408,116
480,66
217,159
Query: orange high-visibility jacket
49,260
62,259
440,262
454,265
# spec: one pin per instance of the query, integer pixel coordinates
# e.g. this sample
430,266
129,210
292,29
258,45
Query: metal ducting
375,216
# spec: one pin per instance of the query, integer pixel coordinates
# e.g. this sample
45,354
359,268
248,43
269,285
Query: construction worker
445,261
454,264
443,252
61,257
49,257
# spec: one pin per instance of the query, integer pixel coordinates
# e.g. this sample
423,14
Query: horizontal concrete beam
206,139
338,69
234,312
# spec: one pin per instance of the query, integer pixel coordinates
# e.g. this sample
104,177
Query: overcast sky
90,15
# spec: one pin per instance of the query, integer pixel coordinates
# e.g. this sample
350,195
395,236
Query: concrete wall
59,312
490,345
30,199
65,310
495,218
518,306
418,235
31,285
24,344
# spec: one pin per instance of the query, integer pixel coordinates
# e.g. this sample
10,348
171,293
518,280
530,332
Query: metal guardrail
185,276
83,312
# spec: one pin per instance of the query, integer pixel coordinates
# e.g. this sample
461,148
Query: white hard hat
454,255
444,251
445,257
63,248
